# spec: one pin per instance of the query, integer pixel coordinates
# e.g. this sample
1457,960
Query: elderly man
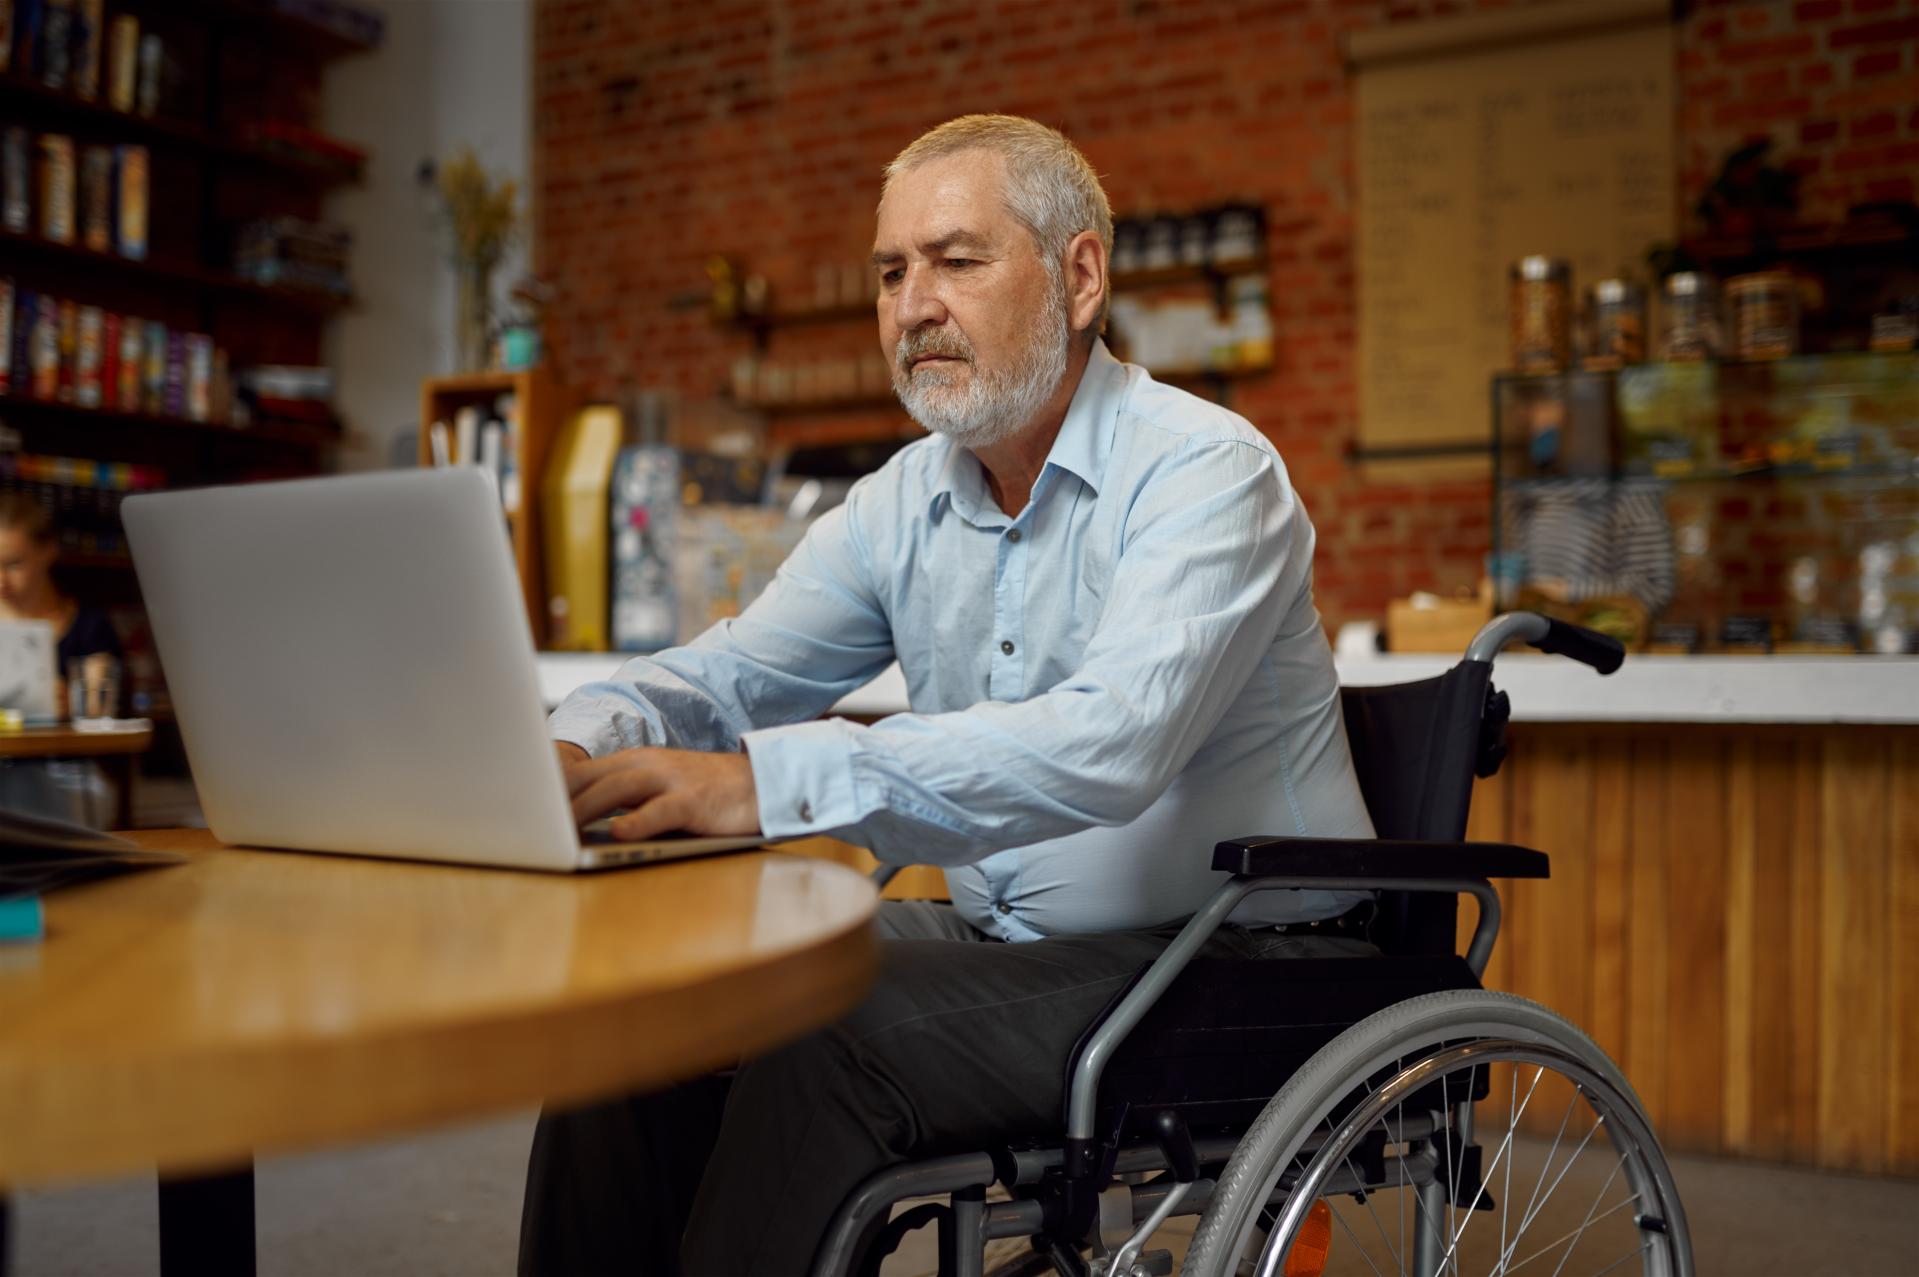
1099,590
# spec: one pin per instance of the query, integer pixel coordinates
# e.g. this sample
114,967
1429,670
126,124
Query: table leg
206,1225
126,768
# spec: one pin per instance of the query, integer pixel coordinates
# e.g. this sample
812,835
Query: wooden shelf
1860,236
290,31
542,406
191,274
1134,280
311,438
873,403
1240,373
801,317
811,432
1657,367
110,561
479,383
847,403
126,126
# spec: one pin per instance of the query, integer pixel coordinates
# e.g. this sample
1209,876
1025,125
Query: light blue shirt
1102,688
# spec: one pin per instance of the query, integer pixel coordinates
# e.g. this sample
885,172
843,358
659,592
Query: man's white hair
1050,188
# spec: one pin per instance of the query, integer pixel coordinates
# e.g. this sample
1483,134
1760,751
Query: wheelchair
1383,1112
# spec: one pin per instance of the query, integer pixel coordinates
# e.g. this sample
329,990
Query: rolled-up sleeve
1213,551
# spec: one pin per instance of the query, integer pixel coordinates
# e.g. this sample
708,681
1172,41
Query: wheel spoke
1399,1066
1617,1262
1553,1245
1356,1242
1505,1146
1452,1178
1526,1215
1586,1223
1558,1179
1512,1126
1532,1212
1365,1197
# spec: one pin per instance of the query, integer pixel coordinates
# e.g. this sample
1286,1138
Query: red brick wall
666,131
1834,82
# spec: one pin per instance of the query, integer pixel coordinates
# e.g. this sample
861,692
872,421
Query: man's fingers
665,814
626,788
584,772
665,789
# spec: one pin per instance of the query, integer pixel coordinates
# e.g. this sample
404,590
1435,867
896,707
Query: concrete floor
447,1205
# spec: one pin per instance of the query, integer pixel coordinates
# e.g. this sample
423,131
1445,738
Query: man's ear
1085,280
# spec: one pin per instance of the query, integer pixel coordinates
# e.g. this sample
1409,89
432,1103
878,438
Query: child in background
66,789
28,592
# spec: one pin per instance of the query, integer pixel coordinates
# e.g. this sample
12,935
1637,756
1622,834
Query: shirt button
1007,647
806,812
1013,536
1002,906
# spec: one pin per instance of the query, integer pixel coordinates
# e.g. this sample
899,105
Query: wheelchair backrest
1415,748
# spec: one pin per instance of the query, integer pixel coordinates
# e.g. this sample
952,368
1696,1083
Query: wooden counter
1733,914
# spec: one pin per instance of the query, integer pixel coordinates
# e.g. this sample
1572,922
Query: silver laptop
353,672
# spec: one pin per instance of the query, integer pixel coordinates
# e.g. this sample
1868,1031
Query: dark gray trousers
961,1044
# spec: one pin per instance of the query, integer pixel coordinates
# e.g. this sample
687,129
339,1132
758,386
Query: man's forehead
952,201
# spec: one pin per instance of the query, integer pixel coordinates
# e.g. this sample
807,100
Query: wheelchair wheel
1380,1127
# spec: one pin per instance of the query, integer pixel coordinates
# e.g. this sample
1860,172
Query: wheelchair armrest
1277,857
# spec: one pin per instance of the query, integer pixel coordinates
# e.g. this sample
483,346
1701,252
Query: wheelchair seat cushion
1229,1032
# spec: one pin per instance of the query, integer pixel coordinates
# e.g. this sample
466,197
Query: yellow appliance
573,497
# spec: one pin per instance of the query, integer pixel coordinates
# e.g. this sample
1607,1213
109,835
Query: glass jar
1617,317
1765,315
1691,330
1541,299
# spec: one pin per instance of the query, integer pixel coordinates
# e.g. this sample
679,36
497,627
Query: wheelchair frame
1088,1199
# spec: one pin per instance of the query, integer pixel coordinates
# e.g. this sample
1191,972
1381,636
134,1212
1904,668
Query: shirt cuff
803,777
590,732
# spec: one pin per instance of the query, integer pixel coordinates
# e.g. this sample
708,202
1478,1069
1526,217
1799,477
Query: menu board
1471,158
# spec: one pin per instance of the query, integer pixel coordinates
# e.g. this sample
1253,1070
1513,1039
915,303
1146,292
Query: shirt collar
1081,448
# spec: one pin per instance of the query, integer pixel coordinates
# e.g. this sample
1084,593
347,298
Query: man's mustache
943,342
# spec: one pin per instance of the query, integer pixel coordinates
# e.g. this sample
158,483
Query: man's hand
667,789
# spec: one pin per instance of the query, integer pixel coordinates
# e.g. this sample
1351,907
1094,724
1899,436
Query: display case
1715,506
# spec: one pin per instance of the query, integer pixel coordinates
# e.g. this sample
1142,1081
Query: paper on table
38,854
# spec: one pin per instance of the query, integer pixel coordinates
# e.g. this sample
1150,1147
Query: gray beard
989,406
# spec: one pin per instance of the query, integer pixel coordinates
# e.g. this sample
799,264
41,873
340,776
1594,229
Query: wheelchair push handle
1589,647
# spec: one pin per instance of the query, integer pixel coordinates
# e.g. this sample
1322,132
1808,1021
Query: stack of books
286,394
296,253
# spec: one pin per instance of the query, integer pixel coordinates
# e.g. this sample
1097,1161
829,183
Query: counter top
1544,689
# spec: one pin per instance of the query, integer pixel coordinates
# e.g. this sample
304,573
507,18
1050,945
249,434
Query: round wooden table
249,1002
